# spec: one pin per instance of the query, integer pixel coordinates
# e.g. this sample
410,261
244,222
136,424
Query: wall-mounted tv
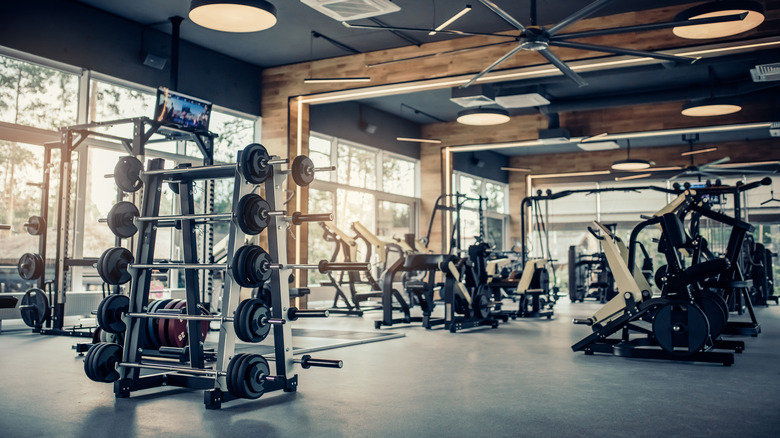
178,110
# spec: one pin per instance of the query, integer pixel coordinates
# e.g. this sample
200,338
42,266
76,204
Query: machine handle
595,233
299,218
749,186
326,266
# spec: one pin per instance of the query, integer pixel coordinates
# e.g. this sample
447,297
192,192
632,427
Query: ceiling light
699,151
418,140
630,164
483,116
451,20
754,17
594,137
710,107
516,169
625,178
526,100
598,145
336,80
233,15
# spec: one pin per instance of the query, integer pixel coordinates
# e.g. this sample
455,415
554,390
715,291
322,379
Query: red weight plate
177,329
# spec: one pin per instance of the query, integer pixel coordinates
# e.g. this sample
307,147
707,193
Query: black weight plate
251,264
88,359
110,311
713,311
96,335
263,294
254,369
234,377
482,302
236,267
127,174
302,170
115,261
35,225
260,265
680,328
41,265
38,310
103,362
152,324
238,326
120,219
252,214
256,313
29,266
253,164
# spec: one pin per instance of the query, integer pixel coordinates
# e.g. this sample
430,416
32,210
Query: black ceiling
290,41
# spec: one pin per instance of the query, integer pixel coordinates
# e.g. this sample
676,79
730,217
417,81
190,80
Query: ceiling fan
539,39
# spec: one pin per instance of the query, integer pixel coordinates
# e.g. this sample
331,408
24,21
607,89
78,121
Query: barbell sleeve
326,266
307,362
294,313
299,218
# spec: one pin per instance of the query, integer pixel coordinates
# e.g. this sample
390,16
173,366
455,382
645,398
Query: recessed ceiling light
710,107
233,15
754,16
483,116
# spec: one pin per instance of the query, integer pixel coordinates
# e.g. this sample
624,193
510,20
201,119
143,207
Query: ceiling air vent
766,72
346,10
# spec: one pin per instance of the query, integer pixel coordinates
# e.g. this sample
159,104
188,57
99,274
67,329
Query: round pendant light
483,116
630,164
233,15
710,107
753,9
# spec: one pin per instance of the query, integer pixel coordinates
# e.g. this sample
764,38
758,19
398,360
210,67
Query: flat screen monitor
178,110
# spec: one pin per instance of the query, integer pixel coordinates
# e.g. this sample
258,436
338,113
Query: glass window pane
496,194
471,187
234,133
319,249
469,226
354,206
398,176
320,154
114,102
494,233
356,167
394,219
34,95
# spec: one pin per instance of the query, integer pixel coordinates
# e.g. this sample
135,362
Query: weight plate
100,362
110,312
254,369
238,327
237,267
249,321
152,324
177,328
713,307
127,174
34,307
96,335
252,214
263,294
162,324
35,225
482,302
234,377
260,265
302,170
30,266
120,219
253,164
115,261
680,327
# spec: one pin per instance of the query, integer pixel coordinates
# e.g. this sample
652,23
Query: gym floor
521,379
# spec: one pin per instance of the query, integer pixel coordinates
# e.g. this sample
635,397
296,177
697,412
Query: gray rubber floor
521,379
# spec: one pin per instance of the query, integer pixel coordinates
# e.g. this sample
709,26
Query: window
491,222
114,102
34,95
235,133
370,186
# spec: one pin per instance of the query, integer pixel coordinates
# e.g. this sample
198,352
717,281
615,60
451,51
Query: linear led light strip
698,151
418,140
525,72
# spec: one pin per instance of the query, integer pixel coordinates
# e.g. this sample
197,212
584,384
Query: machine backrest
674,230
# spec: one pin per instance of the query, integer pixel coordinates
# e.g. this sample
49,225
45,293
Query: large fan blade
493,65
565,69
430,55
503,14
516,169
579,15
646,27
416,29
620,51
715,163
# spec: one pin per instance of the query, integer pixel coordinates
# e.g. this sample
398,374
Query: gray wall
76,34
468,162
343,120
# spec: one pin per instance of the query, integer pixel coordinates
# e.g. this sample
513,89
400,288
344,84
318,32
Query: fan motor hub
534,39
